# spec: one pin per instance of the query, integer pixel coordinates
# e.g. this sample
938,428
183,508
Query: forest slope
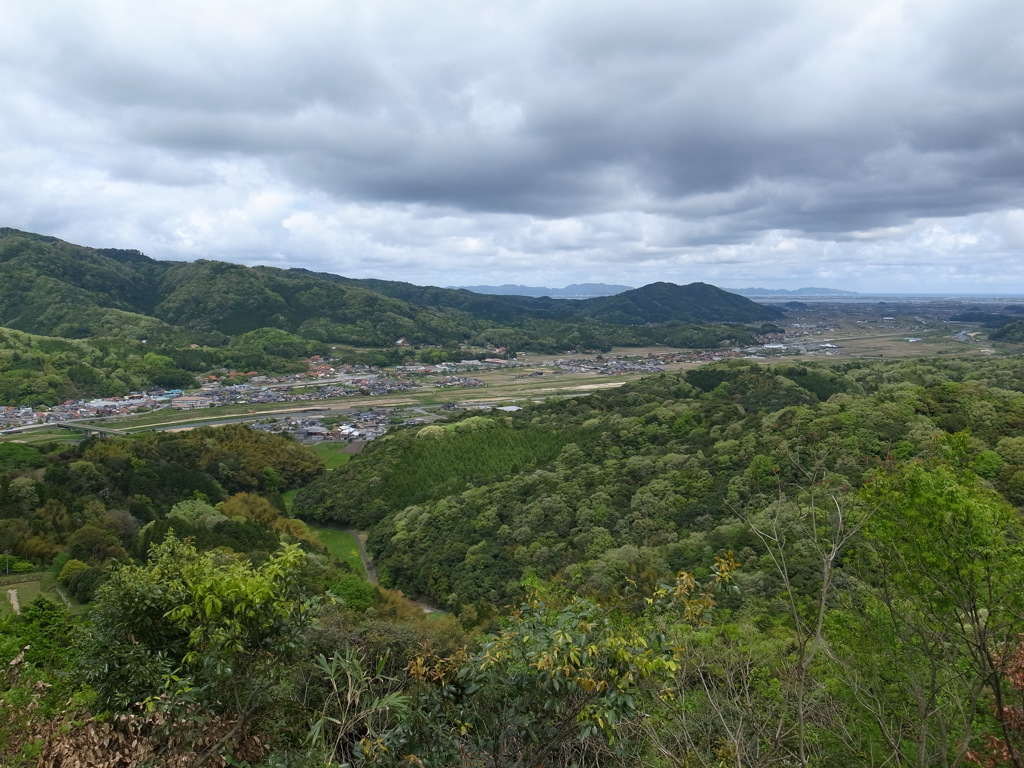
658,475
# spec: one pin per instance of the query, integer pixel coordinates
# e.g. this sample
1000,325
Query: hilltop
573,291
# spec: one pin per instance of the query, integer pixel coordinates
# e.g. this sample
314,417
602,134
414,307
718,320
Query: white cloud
779,142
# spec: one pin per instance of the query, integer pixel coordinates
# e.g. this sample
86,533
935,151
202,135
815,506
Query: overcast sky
859,144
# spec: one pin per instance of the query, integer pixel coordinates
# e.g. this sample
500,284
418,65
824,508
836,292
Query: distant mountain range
794,292
574,291
54,288
595,290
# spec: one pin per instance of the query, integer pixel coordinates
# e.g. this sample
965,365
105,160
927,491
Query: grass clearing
28,590
342,546
333,454
38,437
289,498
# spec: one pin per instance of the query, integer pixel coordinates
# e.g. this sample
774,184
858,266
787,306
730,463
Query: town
326,380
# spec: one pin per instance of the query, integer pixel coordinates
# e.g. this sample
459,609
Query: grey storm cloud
737,141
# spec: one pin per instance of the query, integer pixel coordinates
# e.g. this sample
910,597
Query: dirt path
64,598
12,595
371,570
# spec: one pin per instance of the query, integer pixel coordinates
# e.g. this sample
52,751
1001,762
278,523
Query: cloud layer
868,144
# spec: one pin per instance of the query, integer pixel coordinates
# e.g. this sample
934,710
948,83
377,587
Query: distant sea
897,298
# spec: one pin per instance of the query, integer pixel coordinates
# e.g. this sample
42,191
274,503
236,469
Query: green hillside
667,302
1011,332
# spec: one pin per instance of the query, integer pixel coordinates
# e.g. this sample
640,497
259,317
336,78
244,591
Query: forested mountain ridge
667,302
139,323
55,288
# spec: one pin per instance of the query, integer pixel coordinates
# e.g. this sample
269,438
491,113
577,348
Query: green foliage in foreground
231,659
224,659
939,567
196,622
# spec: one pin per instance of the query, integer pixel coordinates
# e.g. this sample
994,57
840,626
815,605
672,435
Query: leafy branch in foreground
568,681
199,632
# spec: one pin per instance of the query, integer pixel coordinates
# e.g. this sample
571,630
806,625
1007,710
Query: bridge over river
75,426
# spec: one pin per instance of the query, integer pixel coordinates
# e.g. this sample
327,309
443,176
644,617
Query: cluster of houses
347,380
71,410
316,368
608,367
363,427
458,381
251,393
462,366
